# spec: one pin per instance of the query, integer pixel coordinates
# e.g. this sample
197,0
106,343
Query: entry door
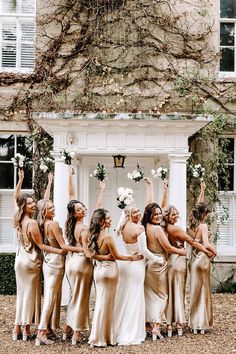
117,177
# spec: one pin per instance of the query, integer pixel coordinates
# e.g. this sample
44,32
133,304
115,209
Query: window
226,243
17,35
227,37
9,146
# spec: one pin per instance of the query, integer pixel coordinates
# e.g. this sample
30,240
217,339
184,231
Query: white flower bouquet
124,197
47,164
19,161
99,172
137,175
197,171
161,172
67,156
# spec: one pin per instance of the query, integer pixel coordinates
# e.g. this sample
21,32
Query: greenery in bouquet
67,156
137,175
196,171
19,161
47,164
161,172
100,172
124,197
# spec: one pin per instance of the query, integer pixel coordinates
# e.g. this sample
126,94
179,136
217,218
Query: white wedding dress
130,301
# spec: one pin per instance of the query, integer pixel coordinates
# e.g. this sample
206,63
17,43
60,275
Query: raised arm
37,237
18,187
150,192
100,199
164,195
202,193
205,239
71,187
49,186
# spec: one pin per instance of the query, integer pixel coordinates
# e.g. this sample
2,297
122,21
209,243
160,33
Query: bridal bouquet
161,172
67,156
19,161
124,197
197,171
47,164
99,172
136,175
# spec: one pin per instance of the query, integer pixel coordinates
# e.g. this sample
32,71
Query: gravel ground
221,339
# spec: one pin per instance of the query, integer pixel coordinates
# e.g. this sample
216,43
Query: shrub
7,274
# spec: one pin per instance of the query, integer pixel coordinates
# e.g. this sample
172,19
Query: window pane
27,182
9,6
28,6
227,34
27,56
227,59
6,147
223,186
6,176
228,9
24,147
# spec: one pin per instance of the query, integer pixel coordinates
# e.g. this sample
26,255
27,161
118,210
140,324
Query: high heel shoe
16,335
64,336
202,331
39,341
179,332
169,332
76,337
25,336
156,335
194,331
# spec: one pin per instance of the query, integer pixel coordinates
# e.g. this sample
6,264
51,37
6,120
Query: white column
178,185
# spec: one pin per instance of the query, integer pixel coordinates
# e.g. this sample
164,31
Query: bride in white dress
130,302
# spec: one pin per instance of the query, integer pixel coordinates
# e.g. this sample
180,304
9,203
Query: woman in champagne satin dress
27,261
201,317
53,270
79,266
105,277
156,277
177,269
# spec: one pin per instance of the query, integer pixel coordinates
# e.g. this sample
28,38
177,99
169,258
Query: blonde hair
128,210
42,207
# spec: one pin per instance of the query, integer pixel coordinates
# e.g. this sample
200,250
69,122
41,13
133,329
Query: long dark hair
198,213
96,224
148,213
71,221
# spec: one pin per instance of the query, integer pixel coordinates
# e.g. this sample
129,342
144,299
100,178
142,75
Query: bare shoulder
140,229
203,227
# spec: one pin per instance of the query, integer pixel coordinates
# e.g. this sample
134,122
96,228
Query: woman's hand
50,177
136,257
63,252
148,180
183,252
21,174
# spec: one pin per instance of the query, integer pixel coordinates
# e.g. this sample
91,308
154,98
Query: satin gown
53,271
105,277
28,281
156,286
79,272
201,316
177,274
130,301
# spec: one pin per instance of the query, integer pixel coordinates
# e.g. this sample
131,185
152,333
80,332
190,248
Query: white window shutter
6,219
226,226
27,6
8,6
8,44
27,44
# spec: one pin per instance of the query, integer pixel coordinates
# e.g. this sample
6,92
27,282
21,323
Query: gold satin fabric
53,271
200,291
28,284
177,273
105,277
79,272
156,287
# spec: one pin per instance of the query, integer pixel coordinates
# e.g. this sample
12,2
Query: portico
150,140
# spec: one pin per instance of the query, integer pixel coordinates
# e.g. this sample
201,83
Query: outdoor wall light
119,161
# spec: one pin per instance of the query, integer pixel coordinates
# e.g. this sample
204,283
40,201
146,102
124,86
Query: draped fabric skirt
79,272
200,291
156,291
53,271
130,303
177,273
28,285
105,277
